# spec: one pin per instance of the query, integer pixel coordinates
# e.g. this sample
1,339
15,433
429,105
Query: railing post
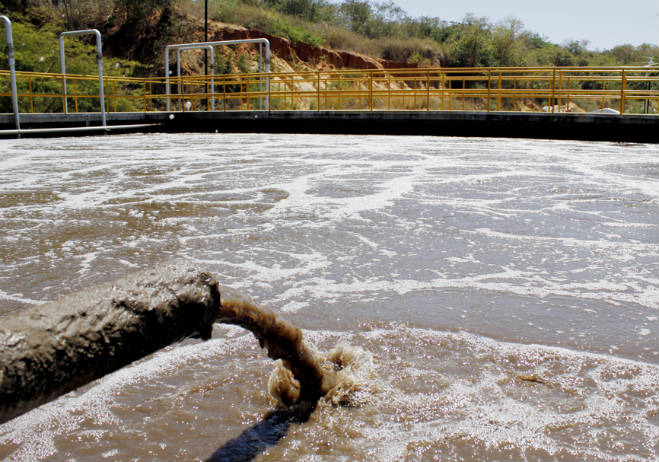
442,94
560,90
247,91
29,84
12,70
318,91
623,87
450,106
75,96
499,88
370,90
553,89
489,88
114,90
388,92
428,88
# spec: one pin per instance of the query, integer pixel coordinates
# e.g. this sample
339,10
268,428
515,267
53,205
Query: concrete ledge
573,126
592,127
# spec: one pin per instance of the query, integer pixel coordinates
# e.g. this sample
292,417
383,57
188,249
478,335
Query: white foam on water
301,221
573,404
18,298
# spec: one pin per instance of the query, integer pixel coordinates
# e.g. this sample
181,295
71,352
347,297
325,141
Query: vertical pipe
267,72
178,79
62,63
212,78
99,60
12,69
167,89
206,50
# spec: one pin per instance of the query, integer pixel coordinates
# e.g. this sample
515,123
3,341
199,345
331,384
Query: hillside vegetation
136,31
383,29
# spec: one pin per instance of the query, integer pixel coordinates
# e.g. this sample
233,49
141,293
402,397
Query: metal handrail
441,89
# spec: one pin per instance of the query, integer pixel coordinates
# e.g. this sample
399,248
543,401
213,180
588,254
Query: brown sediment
531,378
283,341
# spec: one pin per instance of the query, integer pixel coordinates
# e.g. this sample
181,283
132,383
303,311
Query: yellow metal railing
629,90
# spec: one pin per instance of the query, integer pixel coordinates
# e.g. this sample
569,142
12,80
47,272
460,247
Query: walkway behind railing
629,90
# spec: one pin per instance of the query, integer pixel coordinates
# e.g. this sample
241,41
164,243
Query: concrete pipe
50,349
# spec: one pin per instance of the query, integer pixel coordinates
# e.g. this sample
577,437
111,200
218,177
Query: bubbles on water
475,398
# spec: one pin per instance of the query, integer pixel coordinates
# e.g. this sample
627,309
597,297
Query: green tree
473,45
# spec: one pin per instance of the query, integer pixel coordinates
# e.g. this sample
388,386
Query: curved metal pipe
262,41
99,62
194,47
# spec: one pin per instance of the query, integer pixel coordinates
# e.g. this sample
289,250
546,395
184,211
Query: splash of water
302,374
302,377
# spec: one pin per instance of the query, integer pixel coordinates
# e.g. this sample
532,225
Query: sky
603,23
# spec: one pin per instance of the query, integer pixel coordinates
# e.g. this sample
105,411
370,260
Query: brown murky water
487,299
